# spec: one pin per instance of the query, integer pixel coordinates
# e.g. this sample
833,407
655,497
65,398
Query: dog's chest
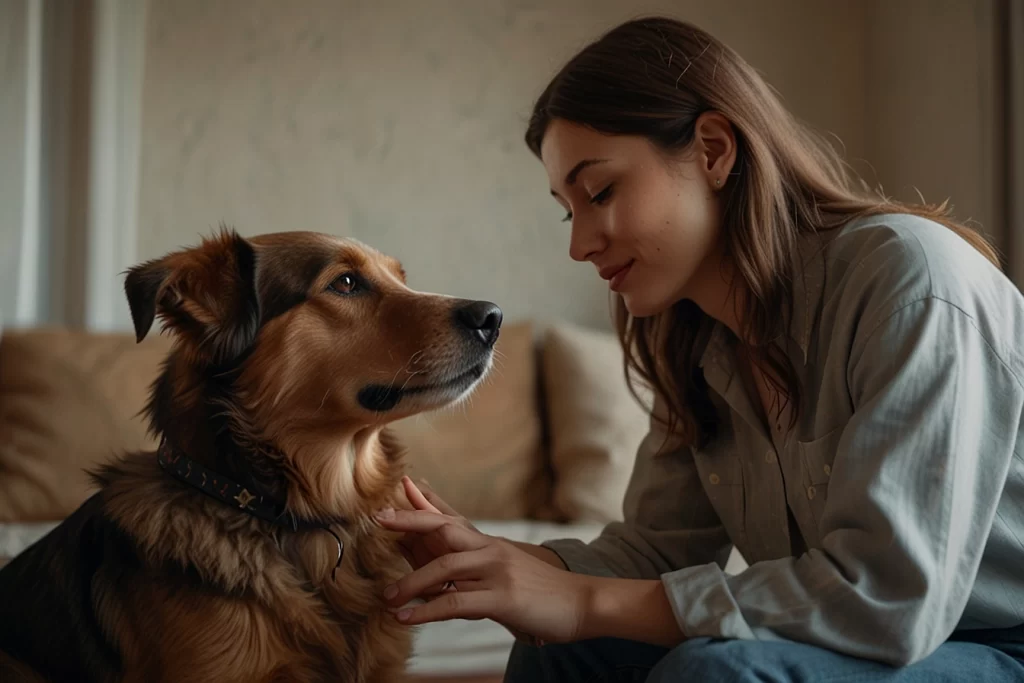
277,624
231,639
343,614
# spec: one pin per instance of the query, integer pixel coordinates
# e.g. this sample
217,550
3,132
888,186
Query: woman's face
648,224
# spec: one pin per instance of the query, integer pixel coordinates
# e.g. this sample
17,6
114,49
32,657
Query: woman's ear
716,140
207,296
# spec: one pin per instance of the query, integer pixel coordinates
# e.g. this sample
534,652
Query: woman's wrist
631,609
541,553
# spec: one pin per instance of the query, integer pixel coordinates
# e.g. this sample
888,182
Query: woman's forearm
631,609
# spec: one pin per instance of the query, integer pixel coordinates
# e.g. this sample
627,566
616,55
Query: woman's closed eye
602,196
598,199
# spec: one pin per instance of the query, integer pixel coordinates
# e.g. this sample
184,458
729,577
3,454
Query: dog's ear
206,295
142,286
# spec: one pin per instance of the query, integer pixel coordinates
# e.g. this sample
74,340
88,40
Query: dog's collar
235,495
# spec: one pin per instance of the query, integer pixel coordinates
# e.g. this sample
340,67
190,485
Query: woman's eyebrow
570,177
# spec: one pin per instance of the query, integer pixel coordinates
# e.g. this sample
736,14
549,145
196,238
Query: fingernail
390,592
386,513
404,615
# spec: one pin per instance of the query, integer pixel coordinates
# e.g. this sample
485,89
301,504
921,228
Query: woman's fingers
478,604
416,545
415,521
449,586
424,490
416,497
409,556
456,566
435,592
418,521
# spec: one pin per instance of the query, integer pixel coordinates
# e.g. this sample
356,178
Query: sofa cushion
596,424
483,456
68,400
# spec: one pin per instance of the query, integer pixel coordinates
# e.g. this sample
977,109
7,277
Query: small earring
718,181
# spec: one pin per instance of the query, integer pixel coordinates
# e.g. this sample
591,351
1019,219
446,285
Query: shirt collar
807,287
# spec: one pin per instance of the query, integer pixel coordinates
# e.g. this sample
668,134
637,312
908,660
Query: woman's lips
617,277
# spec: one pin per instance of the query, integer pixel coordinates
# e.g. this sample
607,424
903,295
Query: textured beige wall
933,119
401,123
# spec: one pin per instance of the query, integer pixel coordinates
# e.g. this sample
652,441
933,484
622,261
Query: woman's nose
586,241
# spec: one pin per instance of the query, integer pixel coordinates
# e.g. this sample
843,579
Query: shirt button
810,492
828,470
714,479
769,457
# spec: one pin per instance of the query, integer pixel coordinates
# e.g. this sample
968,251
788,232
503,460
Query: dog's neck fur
199,419
202,418
335,479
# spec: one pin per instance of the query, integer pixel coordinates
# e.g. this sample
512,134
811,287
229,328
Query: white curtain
70,83
20,156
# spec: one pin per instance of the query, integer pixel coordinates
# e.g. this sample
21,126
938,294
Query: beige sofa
543,449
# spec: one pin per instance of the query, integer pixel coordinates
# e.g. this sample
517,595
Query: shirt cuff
579,557
704,606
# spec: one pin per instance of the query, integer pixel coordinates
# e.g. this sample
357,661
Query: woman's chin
644,306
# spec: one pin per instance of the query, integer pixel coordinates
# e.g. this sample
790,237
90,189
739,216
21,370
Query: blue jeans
989,656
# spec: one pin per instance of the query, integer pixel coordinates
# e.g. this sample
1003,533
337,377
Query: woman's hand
420,549
465,574
492,578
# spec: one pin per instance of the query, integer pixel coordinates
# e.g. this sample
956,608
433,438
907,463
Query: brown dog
245,549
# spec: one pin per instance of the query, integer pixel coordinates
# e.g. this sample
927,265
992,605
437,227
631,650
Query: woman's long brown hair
654,77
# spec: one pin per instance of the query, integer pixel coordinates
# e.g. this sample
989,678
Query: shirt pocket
722,477
816,459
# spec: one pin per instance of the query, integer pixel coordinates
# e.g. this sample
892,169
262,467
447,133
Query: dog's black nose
482,319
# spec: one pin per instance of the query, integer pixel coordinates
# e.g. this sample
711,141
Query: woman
837,382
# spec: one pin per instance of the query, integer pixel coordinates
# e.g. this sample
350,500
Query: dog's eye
345,284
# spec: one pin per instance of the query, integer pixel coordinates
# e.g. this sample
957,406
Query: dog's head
298,336
326,320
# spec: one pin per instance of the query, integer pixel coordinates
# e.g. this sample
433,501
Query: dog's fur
283,378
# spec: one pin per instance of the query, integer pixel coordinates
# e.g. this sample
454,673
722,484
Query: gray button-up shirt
903,472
